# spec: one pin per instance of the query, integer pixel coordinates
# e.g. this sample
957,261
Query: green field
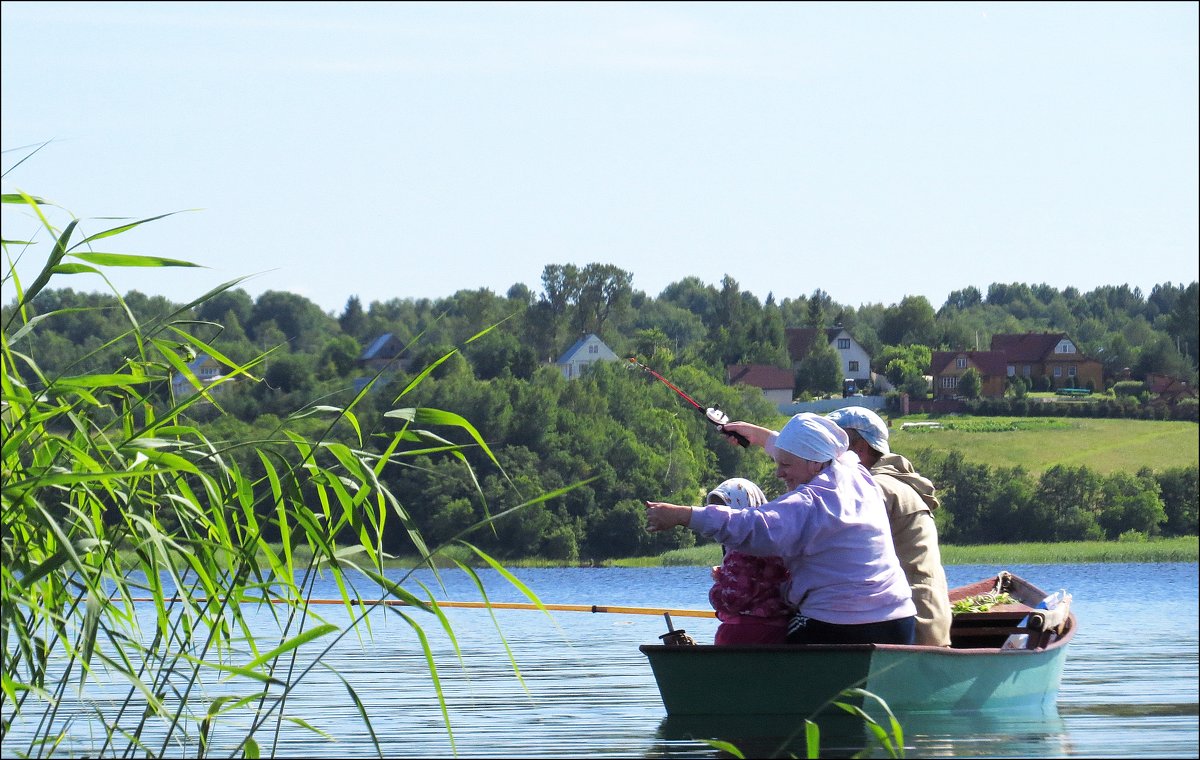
1039,443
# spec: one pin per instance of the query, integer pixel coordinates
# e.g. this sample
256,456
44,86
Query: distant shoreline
1179,549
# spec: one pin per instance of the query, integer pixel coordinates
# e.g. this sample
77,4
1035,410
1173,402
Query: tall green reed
115,502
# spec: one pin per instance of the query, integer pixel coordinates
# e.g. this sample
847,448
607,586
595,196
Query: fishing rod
612,609
712,413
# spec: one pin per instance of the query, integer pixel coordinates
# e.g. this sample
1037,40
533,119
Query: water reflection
974,734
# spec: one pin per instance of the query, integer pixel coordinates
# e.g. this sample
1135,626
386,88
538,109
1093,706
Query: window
853,366
1058,371
1064,347
1012,371
961,362
1071,370
949,381
843,344
593,349
1027,371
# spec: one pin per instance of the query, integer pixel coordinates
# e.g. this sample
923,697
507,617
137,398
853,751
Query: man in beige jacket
910,503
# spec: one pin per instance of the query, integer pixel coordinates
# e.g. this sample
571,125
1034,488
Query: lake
1129,687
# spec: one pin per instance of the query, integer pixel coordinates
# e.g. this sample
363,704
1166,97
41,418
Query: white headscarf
738,493
813,437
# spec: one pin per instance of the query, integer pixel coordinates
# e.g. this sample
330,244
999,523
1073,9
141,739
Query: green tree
911,321
969,383
1180,493
353,320
1131,502
337,358
1072,498
965,490
820,371
301,321
290,373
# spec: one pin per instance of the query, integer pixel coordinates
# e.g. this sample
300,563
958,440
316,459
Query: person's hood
901,469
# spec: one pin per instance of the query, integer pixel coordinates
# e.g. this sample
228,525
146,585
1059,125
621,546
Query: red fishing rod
712,413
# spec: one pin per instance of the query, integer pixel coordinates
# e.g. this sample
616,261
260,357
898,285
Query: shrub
1128,388
1186,409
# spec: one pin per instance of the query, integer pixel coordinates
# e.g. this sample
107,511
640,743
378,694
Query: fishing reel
716,416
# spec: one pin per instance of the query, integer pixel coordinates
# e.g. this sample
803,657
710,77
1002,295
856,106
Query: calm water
1129,688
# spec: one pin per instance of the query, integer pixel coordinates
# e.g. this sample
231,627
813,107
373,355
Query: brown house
385,351
1028,355
1052,355
948,367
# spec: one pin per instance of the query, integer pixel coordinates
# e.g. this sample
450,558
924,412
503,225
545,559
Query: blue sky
408,150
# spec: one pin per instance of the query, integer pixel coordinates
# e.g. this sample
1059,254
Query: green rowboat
1009,657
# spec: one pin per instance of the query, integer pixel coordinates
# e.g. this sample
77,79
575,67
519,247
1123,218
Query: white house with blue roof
206,370
587,351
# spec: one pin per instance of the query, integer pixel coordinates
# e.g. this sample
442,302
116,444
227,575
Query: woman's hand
756,435
663,516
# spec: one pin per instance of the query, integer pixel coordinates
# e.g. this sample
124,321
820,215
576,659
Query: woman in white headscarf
747,591
831,529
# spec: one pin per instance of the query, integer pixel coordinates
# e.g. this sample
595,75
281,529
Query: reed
112,493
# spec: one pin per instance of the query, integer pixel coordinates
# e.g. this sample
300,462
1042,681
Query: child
747,591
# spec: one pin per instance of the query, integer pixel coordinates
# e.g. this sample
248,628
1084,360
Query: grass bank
1184,549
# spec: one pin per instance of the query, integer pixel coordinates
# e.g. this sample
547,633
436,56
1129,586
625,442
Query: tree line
629,438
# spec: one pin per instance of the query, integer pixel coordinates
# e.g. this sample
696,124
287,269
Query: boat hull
802,680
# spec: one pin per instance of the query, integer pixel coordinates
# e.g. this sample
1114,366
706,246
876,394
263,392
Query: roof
1168,385
566,355
200,360
800,339
990,363
1027,347
375,350
763,376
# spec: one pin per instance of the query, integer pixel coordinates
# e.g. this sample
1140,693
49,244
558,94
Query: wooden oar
608,608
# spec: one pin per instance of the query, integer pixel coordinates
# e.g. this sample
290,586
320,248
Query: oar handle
606,608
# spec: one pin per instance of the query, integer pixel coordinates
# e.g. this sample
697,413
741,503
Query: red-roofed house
1052,355
947,368
777,383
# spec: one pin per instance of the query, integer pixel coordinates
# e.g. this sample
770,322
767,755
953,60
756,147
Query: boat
1003,656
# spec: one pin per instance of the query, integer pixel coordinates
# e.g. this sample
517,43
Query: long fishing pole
607,608
712,413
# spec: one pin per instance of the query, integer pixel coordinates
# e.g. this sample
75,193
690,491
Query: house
777,384
385,351
946,369
1169,390
205,369
1050,355
587,351
855,361
1029,355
